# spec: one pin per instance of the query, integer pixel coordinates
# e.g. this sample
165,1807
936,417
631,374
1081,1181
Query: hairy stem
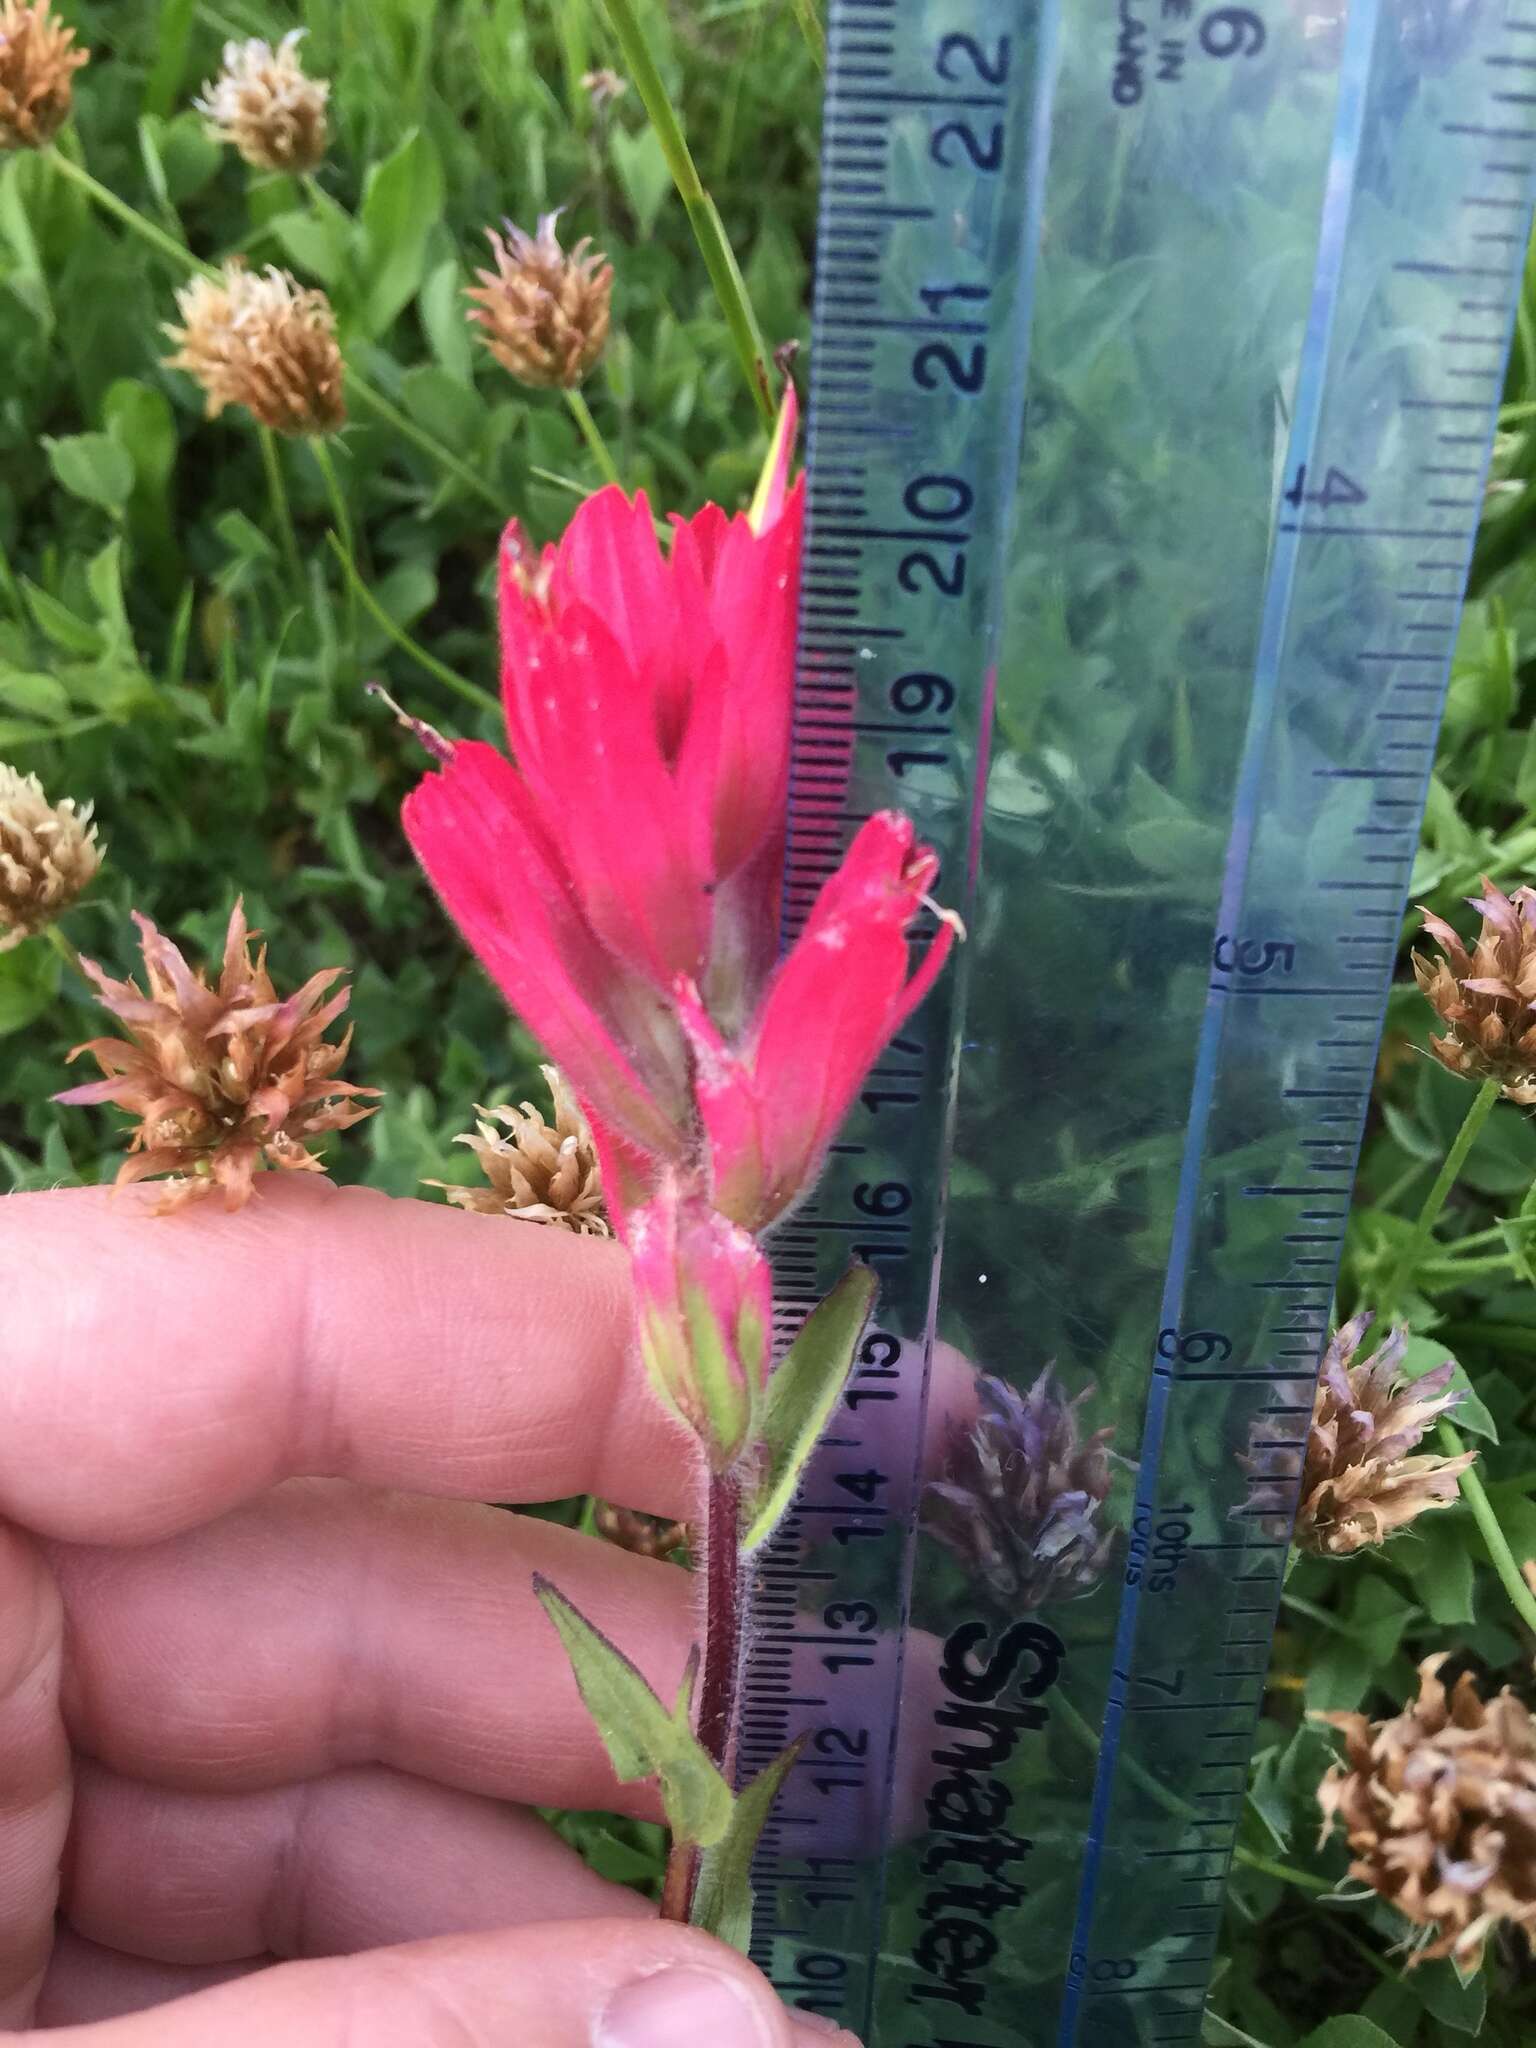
678,1886
723,1619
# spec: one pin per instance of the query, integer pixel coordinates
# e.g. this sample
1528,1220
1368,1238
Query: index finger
154,1371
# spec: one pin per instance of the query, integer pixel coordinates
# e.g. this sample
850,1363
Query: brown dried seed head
1487,998
543,311
264,104
262,340
48,852
541,1172
1359,1483
1439,1807
37,69
221,1076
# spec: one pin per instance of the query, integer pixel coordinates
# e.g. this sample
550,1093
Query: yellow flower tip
223,1074
543,311
48,854
538,1171
37,69
1438,1805
262,340
264,104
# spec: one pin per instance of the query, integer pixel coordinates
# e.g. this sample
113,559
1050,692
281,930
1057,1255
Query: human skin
275,1693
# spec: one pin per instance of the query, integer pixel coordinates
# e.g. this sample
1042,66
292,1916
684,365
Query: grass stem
282,511
1502,1558
590,433
1472,1123
708,228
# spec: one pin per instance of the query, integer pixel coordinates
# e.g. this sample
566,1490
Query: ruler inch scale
1160,676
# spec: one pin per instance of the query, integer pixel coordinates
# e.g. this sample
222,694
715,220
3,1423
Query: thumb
570,1984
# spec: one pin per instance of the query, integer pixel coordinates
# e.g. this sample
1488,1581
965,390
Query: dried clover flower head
37,70
1021,1491
542,1172
262,340
543,310
1439,1807
48,852
220,1077
264,104
1486,999
1358,1482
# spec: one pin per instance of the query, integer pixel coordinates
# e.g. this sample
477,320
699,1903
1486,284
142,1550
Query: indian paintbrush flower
1360,1481
542,310
706,1308
48,853
621,881
37,69
1487,998
540,1171
1439,1807
1020,1494
262,340
263,103
221,1076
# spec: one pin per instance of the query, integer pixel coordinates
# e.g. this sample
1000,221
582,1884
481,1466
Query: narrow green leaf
722,1901
803,1392
643,1737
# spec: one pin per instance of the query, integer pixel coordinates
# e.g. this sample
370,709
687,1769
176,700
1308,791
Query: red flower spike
771,1108
639,835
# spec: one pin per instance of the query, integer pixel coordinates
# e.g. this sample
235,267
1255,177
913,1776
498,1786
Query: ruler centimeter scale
1160,675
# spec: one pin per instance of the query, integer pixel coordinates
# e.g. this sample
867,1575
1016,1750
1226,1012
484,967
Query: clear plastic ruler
1160,673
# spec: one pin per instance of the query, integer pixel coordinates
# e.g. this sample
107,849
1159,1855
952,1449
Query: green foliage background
160,656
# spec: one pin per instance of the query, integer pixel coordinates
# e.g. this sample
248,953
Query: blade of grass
708,229
810,27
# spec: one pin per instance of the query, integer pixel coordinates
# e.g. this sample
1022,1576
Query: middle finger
327,1624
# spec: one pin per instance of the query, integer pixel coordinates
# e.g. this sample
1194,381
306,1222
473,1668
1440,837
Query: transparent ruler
1156,359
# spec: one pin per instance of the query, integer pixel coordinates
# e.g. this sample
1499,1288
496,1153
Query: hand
273,1686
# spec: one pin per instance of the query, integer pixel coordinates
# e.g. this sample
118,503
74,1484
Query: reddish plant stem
682,1876
723,1619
